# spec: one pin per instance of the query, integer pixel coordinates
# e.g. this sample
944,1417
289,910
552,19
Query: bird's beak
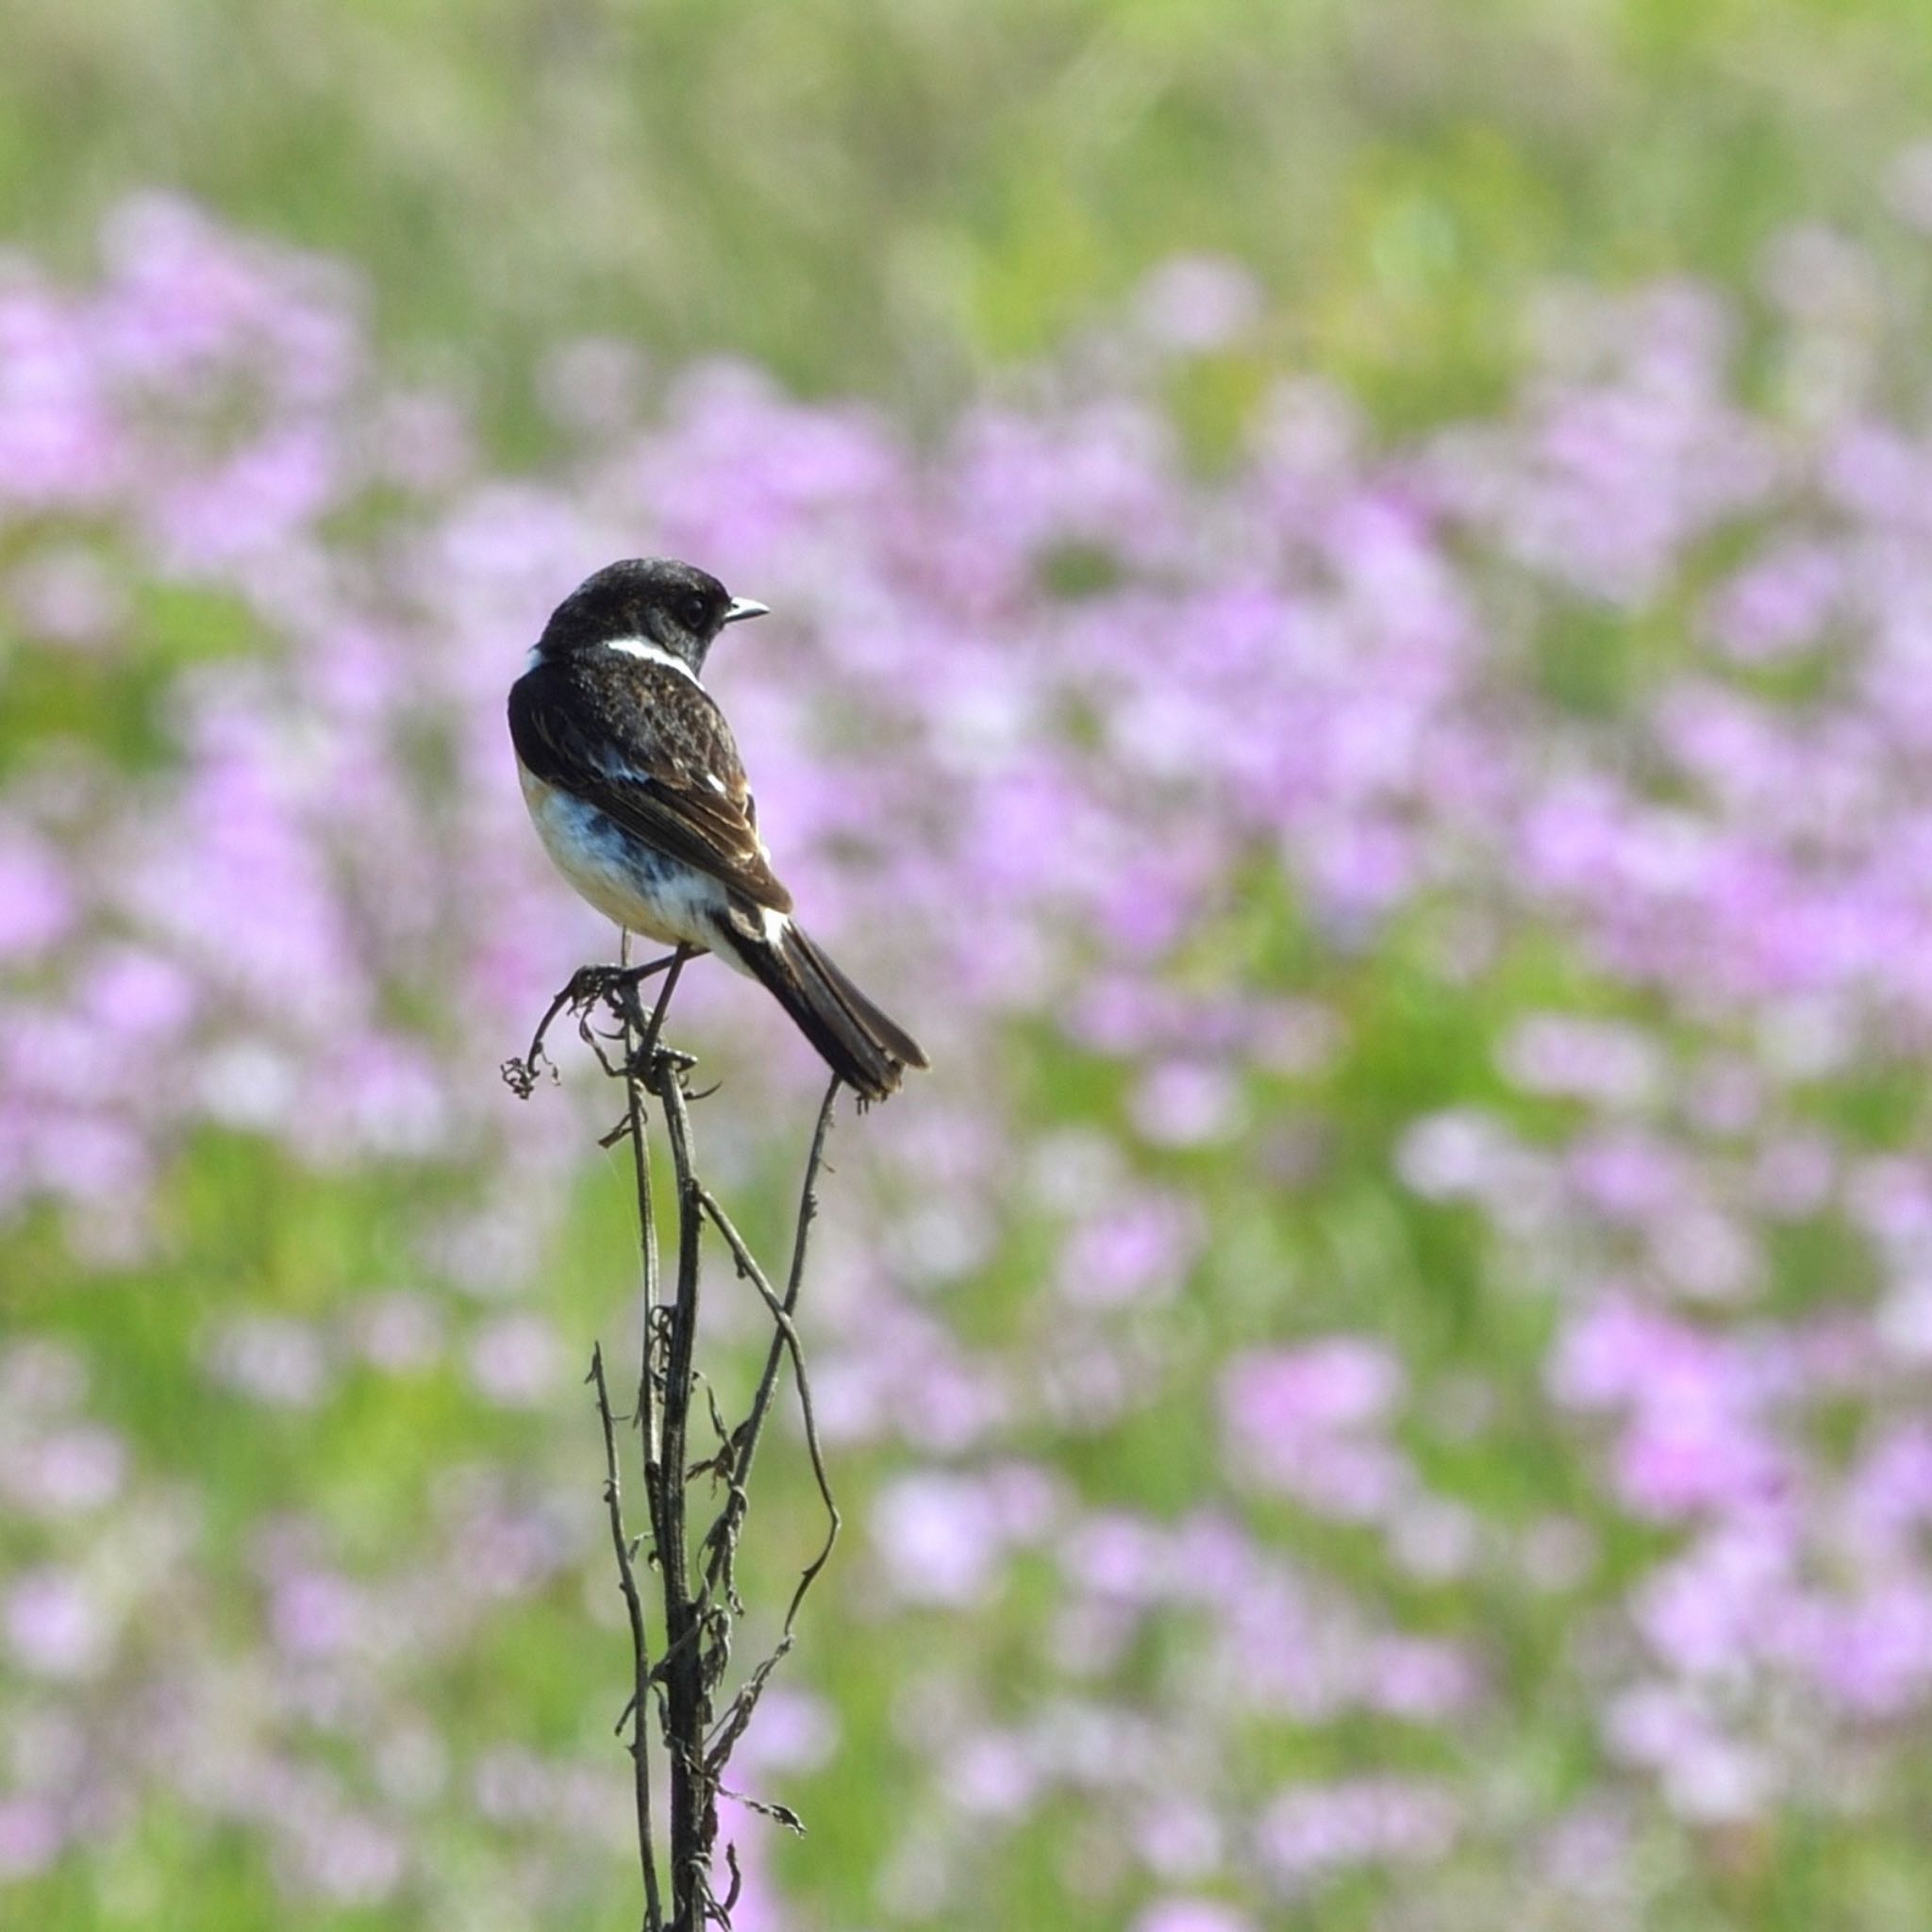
741,607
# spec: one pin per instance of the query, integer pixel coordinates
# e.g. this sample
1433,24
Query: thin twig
753,1426
693,1807
640,1658
589,986
787,1339
645,1410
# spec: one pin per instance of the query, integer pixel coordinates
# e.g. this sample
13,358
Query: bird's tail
863,1046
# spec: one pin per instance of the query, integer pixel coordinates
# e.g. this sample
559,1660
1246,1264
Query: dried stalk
640,1651
697,1601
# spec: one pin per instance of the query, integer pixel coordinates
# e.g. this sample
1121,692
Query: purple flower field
1381,1380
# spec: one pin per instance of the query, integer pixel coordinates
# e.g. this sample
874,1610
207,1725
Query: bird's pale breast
653,894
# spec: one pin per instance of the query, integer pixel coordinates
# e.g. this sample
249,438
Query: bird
638,796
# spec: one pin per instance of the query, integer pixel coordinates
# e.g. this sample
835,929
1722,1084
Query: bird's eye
694,610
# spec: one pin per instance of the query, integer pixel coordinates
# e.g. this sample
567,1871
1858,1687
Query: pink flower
939,1538
55,1625
1311,1833
36,905
1306,1422
1193,1915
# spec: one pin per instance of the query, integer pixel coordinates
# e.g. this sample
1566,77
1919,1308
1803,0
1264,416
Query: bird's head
646,605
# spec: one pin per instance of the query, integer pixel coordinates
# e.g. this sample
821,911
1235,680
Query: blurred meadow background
1354,653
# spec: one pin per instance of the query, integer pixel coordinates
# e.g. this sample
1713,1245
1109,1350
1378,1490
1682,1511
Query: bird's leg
647,1044
614,988
589,984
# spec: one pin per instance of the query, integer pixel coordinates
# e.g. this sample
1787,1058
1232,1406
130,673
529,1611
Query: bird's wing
653,753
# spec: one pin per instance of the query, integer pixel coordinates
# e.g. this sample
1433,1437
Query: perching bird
635,786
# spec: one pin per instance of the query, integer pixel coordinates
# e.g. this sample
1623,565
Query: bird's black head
649,601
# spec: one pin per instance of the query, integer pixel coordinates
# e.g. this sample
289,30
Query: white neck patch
648,653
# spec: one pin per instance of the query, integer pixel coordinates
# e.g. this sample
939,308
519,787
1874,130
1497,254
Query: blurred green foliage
882,195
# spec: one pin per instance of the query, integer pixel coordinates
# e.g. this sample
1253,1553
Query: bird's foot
646,1062
592,986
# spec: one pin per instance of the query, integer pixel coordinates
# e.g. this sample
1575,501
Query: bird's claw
590,985
643,1064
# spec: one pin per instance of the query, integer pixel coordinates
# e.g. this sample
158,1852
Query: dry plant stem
787,1339
687,1717
754,1424
644,1418
641,1656
635,1036
674,1697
